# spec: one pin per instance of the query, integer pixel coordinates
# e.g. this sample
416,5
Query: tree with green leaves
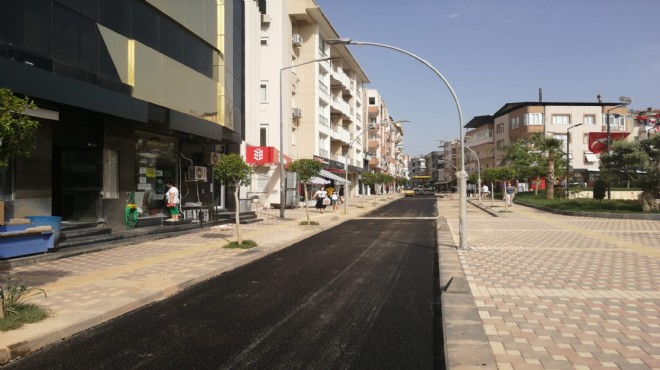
18,132
306,169
552,149
637,163
526,162
232,171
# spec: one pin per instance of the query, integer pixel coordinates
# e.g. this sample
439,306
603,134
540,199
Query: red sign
598,140
263,155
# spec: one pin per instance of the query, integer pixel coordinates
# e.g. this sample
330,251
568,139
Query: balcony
339,105
339,79
340,134
373,144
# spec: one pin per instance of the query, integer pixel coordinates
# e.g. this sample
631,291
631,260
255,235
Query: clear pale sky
493,52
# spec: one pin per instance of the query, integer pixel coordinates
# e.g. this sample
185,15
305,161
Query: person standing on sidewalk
509,193
172,200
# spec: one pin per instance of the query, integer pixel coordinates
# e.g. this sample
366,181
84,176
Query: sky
493,52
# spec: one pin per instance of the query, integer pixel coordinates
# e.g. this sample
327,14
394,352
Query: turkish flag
598,140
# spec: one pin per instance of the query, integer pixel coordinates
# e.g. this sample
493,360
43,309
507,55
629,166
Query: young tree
231,170
306,170
496,175
18,131
638,163
527,162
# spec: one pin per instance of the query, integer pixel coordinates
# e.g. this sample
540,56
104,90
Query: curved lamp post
369,127
282,182
625,101
462,230
568,158
478,167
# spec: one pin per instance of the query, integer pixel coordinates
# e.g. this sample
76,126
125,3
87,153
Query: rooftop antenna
600,98
540,95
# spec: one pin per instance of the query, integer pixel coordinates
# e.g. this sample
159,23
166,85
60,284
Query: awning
590,157
332,176
318,181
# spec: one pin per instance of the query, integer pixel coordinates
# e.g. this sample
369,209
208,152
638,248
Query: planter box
21,243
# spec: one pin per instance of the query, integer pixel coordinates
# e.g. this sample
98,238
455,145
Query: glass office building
131,93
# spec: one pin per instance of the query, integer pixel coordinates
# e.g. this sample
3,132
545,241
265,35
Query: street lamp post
462,230
282,182
625,101
568,158
346,188
478,169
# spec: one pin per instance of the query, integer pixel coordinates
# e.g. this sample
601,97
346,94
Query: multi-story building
587,122
311,99
130,93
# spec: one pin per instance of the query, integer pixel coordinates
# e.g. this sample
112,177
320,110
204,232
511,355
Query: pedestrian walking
334,201
321,198
341,194
509,193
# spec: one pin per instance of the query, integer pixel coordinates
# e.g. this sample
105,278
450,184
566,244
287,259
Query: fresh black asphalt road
361,295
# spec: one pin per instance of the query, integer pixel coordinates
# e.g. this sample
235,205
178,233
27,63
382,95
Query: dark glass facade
115,72
62,36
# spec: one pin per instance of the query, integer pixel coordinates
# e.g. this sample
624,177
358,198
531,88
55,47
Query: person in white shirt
172,200
484,190
320,195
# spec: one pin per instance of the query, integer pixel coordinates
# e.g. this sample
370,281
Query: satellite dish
625,101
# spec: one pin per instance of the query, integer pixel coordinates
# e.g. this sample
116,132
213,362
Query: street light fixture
369,127
462,230
625,101
568,158
282,181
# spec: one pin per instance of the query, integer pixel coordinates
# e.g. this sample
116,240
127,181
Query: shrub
600,189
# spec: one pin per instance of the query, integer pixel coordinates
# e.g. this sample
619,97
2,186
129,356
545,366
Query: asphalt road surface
359,296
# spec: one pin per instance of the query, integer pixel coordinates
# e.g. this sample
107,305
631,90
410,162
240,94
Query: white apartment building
310,100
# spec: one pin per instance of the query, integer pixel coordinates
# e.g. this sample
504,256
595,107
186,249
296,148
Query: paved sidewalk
563,292
89,289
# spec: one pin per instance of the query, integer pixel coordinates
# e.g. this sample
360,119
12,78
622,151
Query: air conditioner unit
297,112
265,18
297,39
196,173
211,158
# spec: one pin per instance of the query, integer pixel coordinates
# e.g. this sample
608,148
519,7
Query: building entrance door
77,184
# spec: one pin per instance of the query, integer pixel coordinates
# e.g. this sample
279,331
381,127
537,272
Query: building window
500,144
263,92
561,119
533,119
294,136
500,128
372,100
263,135
264,41
589,119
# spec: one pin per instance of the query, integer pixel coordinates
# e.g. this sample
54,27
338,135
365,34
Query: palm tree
553,150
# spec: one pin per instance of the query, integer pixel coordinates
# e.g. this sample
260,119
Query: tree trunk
306,202
550,186
238,217
2,310
492,194
649,203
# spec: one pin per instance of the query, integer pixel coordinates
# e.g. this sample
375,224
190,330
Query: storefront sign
263,155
